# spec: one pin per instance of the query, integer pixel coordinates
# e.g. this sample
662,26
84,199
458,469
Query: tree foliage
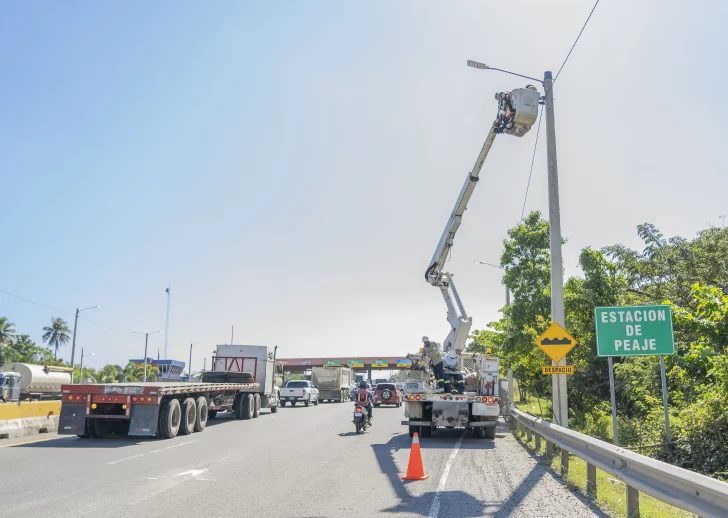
56,335
689,274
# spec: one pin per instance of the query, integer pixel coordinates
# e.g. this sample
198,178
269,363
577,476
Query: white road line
153,451
435,508
193,472
126,458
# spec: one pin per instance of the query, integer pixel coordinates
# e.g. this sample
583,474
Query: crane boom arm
448,236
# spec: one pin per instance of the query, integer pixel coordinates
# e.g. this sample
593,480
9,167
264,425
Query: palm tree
56,335
7,331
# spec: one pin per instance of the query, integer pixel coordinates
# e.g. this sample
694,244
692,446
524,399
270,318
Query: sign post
635,331
556,342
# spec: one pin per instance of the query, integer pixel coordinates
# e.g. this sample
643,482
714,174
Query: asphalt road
300,462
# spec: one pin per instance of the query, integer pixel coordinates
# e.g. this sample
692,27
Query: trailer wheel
201,414
211,414
97,428
256,410
189,416
489,432
170,419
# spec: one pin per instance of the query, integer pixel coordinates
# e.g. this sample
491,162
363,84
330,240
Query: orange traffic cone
415,471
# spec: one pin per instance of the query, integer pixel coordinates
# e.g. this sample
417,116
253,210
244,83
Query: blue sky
290,166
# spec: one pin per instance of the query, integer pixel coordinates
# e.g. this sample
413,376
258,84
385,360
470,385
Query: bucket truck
478,408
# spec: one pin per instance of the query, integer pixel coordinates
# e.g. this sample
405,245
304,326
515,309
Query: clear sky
289,166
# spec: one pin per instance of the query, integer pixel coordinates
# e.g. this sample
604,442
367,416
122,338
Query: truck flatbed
156,388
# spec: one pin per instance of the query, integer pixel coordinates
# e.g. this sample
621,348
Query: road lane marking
126,458
33,442
193,472
149,452
435,508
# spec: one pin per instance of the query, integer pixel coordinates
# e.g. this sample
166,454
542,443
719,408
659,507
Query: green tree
7,332
56,335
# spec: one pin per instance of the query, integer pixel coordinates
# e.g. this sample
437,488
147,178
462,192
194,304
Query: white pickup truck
299,390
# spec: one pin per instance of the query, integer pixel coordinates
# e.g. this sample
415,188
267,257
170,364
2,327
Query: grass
611,493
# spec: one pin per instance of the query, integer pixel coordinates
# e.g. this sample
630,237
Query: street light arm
483,66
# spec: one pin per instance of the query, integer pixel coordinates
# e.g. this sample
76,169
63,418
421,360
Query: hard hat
425,339
451,358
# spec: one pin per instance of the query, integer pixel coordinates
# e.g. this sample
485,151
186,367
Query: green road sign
380,364
332,363
355,363
634,331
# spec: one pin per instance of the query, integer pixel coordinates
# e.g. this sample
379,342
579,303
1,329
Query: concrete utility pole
166,326
189,367
73,340
560,398
146,343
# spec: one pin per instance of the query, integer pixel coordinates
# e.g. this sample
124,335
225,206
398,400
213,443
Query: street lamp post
189,367
560,399
146,343
73,341
80,369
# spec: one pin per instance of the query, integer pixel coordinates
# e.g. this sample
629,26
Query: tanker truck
20,381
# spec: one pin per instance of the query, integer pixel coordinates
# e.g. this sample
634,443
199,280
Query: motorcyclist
364,397
432,351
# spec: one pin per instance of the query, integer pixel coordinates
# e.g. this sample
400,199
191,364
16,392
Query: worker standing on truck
432,351
451,369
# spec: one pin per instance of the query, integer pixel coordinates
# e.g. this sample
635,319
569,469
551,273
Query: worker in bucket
451,369
433,352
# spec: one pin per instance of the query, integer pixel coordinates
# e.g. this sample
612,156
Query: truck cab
10,386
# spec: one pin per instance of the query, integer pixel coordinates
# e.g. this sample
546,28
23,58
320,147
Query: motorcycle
361,418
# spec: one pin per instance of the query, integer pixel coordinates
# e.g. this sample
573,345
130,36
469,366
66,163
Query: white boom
517,111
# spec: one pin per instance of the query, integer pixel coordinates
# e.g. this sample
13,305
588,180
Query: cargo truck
163,409
333,383
22,381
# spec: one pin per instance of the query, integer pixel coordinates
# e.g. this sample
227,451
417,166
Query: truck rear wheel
256,410
85,434
169,419
245,406
201,414
315,403
189,416
307,402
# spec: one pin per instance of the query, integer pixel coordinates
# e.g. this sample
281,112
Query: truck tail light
304,392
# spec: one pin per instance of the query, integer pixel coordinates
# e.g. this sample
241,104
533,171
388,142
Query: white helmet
425,339
451,358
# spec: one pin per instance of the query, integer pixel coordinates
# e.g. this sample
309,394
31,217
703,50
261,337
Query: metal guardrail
693,492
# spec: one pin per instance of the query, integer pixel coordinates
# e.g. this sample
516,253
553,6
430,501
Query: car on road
299,390
387,394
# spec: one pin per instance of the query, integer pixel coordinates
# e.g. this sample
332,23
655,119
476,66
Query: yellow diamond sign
556,342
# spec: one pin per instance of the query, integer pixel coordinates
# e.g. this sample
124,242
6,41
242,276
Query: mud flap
73,419
144,420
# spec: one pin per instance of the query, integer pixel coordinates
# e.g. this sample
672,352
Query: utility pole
232,335
73,347
560,398
146,342
166,327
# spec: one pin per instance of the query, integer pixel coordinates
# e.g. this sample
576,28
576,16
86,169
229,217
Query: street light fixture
146,342
80,369
189,367
560,400
73,342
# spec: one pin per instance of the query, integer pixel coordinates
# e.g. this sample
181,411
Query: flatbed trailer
152,409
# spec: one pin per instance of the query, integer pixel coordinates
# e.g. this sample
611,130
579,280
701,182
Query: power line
574,45
65,312
35,303
533,159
